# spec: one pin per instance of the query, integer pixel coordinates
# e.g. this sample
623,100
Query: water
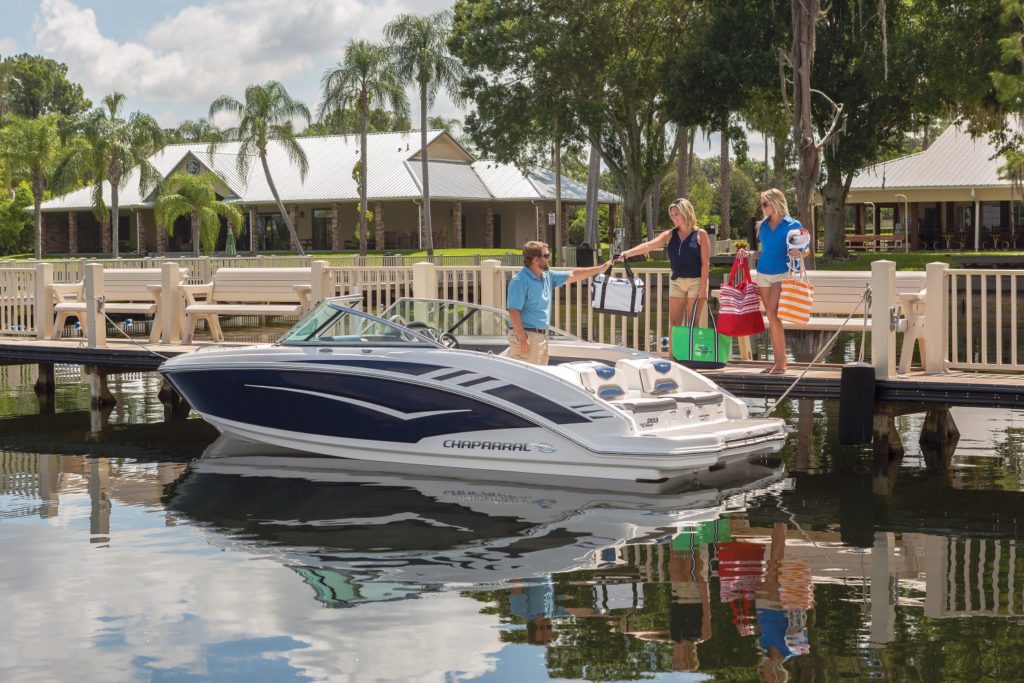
127,559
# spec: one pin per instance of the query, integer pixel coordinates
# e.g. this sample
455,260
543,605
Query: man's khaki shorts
764,280
684,287
537,352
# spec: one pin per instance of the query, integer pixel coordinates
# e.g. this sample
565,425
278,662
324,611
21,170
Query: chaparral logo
544,447
487,445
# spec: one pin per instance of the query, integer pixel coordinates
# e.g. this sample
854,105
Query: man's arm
577,274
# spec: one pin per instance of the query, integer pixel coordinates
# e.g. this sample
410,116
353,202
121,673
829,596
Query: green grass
904,260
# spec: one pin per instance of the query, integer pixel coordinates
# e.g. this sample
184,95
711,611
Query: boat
428,382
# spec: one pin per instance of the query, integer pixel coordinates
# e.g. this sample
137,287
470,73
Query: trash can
584,255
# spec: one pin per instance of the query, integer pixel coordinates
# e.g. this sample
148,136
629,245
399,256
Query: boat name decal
488,445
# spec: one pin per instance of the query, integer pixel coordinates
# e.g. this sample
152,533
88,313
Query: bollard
856,403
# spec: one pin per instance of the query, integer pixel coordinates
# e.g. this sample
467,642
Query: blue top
531,295
774,258
684,255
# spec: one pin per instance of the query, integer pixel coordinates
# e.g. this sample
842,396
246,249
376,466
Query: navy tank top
684,255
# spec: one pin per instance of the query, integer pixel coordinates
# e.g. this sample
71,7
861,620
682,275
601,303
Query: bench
873,242
251,291
837,294
126,291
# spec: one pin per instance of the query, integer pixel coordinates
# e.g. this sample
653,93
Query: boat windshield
462,320
334,322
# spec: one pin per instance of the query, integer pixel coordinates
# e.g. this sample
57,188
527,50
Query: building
953,192
474,202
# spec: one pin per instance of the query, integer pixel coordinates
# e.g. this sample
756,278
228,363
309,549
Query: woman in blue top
689,253
772,268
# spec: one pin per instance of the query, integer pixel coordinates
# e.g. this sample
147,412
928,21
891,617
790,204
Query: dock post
320,279
888,452
883,608
43,302
99,497
939,437
170,303
175,405
424,280
490,283
883,335
95,322
99,393
936,319
45,388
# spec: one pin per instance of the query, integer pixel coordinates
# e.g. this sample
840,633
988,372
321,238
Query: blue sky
171,58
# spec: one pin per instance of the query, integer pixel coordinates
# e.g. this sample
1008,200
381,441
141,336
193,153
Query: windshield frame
552,330
405,337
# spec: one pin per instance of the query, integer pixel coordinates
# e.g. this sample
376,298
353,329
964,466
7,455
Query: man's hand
524,342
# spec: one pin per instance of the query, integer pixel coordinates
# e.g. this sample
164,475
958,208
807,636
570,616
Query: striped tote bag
797,296
739,303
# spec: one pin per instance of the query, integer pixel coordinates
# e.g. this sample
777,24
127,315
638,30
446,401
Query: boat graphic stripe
391,412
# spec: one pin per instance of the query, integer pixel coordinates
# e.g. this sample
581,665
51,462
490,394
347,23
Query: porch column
108,247
456,237
489,227
293,216
977,224
336,242
378,225
72,232
877,223
161,236
254,233
542,222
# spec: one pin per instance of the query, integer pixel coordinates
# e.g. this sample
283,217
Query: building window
321,229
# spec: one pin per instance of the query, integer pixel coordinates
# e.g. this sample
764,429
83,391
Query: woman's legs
770,297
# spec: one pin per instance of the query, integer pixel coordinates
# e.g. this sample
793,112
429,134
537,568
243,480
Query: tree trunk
632,209
683,168
362,176
426,172
591,233
834,192
37,210
805,19
280,205
114,216
725,229
196,241
779,161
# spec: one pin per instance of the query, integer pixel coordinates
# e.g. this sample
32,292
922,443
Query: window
321,229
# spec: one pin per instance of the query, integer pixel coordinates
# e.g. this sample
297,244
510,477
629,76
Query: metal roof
955,159
390,174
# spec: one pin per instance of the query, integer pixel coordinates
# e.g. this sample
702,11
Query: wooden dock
743,379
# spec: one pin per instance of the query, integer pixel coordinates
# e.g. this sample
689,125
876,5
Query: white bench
838,293
252,291
126,291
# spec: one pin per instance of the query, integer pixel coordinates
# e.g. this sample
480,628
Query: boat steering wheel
426,330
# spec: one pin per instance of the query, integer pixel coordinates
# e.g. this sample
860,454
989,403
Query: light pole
906,222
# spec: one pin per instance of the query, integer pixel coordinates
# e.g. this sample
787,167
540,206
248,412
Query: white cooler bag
618,295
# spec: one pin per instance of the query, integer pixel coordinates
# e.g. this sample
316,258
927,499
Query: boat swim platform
982,389
743,379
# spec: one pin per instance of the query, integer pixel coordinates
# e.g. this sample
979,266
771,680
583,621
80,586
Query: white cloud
8,46
180,64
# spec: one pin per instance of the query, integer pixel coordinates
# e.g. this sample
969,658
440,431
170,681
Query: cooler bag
618,295
797,295
700,347
739,303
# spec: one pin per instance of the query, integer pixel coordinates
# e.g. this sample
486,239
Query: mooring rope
865,300
100,307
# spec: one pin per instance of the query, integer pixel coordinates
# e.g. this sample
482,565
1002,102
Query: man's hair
532,250
778,201
685,209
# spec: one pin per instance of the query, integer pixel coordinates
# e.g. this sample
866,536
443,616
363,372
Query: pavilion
474,202
953,193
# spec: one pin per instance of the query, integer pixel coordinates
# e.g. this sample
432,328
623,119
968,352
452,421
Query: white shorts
765,280
683,287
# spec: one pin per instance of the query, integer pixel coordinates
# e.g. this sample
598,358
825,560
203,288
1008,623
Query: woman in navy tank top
689,252
773,267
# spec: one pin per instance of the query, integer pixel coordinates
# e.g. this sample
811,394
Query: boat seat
605,382
658,378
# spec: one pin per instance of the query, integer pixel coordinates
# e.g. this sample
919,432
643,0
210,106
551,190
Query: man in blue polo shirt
529,301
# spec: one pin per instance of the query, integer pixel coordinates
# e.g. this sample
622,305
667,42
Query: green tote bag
701,348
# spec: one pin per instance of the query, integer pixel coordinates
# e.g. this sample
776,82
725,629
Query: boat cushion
697,398
646,405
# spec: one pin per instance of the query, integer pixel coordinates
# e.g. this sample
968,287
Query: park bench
126,291
252,291
838,294
873,242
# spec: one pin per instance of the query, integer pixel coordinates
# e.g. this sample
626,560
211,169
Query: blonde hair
686,211
775,197
532,250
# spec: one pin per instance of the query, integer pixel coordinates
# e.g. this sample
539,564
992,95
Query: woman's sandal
777,371
768,370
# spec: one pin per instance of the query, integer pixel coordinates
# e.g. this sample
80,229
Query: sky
171,58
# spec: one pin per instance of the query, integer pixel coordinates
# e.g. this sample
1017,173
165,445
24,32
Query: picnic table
873,242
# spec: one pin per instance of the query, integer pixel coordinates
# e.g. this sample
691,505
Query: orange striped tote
797,297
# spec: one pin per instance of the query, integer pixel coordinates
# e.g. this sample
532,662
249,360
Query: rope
100,307
863,300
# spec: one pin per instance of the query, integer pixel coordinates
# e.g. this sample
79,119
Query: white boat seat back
664,379
599,379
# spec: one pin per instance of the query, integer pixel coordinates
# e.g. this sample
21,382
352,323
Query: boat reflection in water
356,532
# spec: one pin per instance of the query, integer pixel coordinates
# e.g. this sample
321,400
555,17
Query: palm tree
185,194
33,148
367,76
200,130
266,115
419,46
116,146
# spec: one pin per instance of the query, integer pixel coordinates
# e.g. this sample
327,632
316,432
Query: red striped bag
797,295
739,303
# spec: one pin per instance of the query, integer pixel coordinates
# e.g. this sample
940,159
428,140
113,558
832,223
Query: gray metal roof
955,159
390,174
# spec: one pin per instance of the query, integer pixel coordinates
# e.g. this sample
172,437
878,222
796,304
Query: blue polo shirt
774,258
531,295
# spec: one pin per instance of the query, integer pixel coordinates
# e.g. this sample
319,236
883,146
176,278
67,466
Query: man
529,301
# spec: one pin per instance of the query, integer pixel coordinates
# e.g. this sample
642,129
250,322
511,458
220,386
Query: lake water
129,557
